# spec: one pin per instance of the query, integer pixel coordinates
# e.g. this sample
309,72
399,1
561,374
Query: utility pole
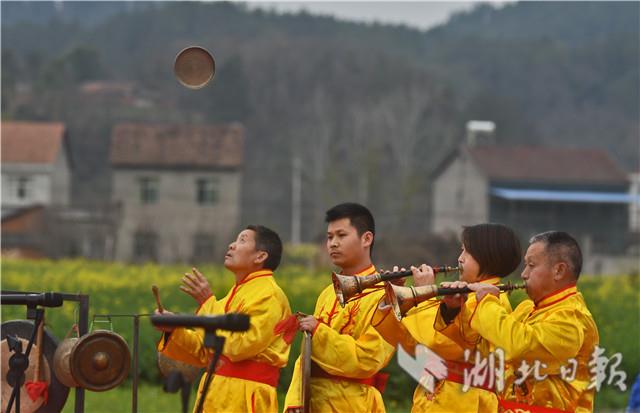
296,200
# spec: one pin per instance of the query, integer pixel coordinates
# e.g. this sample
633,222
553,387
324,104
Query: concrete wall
460,196
634,207
176,217
61,180
599,227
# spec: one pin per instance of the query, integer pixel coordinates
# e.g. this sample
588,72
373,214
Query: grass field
126,289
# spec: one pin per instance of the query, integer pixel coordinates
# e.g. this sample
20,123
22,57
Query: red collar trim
254,275
556,296
368,271
371,269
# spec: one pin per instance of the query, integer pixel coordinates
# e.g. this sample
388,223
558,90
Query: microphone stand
230,322
19,362
211,340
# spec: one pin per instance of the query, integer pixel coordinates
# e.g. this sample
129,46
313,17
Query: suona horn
403,299
348,286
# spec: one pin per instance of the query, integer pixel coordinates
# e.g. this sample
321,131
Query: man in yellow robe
346,351
247,375
489,252
549,339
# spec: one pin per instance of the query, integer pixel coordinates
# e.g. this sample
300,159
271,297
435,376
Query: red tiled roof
22,219
198,146
31,142
548,164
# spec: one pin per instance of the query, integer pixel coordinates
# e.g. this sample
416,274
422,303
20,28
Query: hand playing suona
307,323
483,289
397,281
456,300
196,285
164,329
423,275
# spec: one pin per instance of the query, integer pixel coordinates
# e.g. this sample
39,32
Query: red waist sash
378,380
249,370
508,406
455,373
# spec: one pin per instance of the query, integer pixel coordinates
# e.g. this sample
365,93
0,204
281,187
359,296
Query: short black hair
359,216
268,241
495,246
561,247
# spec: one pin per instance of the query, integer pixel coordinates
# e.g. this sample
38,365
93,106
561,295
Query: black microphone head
160,319
228,322
237,322
52,300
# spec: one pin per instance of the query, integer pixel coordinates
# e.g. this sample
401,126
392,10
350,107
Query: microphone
32,300
229,322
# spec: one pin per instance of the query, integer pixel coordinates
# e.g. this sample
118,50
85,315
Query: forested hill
363,105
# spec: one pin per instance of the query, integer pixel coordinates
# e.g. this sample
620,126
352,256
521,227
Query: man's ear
560,270
261,257
367,239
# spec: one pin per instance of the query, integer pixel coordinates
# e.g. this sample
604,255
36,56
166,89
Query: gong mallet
156,294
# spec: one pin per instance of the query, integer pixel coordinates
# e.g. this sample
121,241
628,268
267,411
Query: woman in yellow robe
489,251
247,375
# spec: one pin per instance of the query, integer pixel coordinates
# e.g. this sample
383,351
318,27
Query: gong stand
19,362
83,323
134,358
211,340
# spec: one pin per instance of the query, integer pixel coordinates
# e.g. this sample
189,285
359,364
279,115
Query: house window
148,190
206,191
203,247
145,246
22,184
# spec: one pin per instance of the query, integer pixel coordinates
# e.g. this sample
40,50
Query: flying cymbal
194,67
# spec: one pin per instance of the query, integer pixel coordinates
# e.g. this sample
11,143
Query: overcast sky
421,15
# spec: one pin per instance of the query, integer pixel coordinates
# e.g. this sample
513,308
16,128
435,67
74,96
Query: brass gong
98,361
61,363
167,366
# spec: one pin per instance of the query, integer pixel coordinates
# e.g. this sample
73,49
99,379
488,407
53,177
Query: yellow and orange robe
419,325
247,374
346,353
556,331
